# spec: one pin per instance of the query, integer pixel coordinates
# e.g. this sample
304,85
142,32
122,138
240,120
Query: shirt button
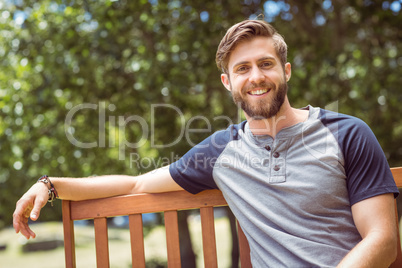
276,154
277,168
268,148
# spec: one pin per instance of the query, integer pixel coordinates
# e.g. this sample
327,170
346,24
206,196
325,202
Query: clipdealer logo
117,126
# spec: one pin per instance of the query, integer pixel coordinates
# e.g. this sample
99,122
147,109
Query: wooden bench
169,203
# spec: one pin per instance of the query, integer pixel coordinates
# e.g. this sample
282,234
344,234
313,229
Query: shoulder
348,130
355,138
366,167
193,171
344,121
219,139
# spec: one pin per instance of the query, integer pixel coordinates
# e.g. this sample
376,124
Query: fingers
19,212
25,230
20,219
38,204
29,206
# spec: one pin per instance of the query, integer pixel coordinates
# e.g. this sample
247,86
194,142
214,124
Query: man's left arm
375,220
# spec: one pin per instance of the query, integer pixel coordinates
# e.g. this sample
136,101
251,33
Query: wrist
51,189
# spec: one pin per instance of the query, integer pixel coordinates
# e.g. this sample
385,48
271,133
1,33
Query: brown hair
247,30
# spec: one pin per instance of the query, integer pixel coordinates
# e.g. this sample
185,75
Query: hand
29,206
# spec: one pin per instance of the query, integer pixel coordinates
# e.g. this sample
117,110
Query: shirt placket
278,152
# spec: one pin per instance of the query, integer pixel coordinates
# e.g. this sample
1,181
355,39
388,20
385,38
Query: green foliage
353,59
122,57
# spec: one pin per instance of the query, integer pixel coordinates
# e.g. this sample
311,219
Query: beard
261,109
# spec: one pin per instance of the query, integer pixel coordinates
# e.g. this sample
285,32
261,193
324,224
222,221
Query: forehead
252,50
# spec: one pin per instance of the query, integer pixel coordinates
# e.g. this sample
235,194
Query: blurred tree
347,55
99,87
94,87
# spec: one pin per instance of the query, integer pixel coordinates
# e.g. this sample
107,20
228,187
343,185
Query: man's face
257,80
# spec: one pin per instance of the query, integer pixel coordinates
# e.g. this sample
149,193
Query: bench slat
172,238
397,174
137,241
208,237
101,243
144,203
68,229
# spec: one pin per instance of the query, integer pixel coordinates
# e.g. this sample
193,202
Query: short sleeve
193,172
367,170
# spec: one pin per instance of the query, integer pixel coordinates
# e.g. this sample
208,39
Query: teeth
258,92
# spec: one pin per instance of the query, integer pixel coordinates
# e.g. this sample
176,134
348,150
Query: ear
226,81
288,71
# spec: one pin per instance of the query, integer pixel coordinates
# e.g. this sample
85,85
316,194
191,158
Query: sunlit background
99,87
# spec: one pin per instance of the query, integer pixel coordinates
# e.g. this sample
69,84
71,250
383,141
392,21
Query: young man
310,188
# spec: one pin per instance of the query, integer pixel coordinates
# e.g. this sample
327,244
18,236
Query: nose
256,75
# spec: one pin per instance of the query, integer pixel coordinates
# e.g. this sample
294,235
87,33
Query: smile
258,92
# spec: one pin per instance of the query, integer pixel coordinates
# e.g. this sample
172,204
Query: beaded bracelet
52,191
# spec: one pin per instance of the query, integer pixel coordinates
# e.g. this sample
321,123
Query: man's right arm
36,197
158,180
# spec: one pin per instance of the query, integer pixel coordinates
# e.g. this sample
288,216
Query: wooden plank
172,239
208,237
101,243
144,203
244,248
397,173
137,241
68,229
398,262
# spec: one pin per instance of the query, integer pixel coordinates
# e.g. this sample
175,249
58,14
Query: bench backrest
134,206
169,203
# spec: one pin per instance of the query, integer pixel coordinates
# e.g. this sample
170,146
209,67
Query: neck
286,117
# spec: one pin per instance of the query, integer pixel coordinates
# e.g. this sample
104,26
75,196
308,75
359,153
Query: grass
119,246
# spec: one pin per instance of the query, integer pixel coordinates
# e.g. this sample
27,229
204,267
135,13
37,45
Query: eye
242,69
266,64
